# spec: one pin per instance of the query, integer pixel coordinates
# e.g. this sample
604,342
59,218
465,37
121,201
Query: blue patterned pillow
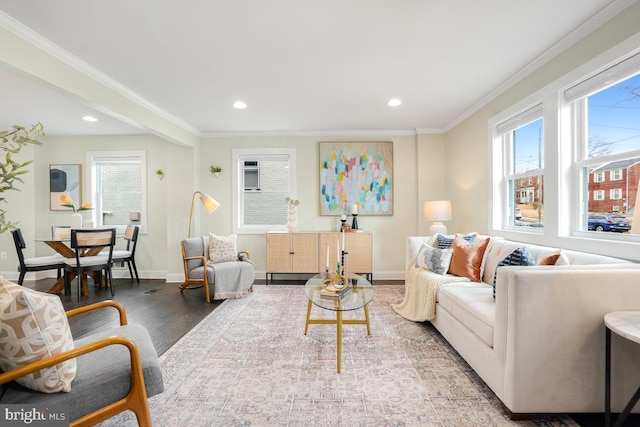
520,256
445,242
436,260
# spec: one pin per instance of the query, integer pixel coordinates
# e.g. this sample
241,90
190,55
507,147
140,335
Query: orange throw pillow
467,258
549,259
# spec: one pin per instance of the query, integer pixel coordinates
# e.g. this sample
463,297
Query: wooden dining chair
93,253
53,262
129,254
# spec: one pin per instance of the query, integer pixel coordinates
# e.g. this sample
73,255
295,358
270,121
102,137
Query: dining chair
60,232
53,262
129,254
93,253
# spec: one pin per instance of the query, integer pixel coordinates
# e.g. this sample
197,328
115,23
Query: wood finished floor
168,315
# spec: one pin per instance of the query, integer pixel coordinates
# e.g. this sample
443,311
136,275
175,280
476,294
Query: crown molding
311,133
20,30
593,23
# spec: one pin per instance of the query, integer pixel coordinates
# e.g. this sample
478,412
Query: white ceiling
301,66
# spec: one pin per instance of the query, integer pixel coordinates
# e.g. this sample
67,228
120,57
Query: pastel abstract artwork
356,173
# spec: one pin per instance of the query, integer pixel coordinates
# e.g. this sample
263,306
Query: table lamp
437,211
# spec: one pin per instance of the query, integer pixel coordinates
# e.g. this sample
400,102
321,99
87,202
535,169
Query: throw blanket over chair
225,279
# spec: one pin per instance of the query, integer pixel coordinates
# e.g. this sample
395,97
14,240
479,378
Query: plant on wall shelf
160,173
11,142
215,170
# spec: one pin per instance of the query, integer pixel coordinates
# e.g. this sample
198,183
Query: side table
627,325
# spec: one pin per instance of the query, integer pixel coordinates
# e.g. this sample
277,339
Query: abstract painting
64,179
356,173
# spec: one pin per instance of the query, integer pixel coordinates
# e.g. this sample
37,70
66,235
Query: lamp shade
438,210
209,203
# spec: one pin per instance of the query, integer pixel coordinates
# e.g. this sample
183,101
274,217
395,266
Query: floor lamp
209,203
437,211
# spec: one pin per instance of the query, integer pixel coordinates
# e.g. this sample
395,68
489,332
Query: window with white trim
615,175
606,119
118,188
615,194
598,195
598,177
521,145
262,178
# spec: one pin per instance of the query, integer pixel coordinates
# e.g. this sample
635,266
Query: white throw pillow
222,248
434,259
34,326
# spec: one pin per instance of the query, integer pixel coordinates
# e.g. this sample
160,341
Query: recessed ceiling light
240,105
89,119
394,102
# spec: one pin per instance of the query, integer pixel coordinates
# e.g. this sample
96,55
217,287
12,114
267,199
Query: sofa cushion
520,257
34,326
434,259
445,242
468,258
472,305
223,248
550,259
103,376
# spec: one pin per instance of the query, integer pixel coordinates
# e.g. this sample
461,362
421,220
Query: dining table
62,247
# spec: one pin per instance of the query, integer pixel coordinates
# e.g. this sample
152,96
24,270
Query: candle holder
343,222
354,223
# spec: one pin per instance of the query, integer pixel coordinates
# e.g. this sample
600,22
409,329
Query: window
606,111
262,178
118,188
615,194
521,145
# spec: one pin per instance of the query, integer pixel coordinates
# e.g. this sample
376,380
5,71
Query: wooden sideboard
306,252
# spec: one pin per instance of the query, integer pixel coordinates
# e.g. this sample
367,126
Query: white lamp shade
209,203
438,210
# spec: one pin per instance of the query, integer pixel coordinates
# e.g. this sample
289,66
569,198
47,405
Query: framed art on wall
356,176
64,179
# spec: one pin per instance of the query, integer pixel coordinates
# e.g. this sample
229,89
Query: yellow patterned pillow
34,326
222,248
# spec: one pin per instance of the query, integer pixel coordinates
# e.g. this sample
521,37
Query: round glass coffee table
359,296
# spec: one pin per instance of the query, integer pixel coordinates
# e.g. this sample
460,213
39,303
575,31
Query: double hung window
521,145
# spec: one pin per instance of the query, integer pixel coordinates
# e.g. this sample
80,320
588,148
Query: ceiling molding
27,34
320,133
592,24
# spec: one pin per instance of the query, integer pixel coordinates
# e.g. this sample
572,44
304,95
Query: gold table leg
306,324
339,338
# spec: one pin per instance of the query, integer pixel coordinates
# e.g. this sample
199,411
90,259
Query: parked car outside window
607,222
518,214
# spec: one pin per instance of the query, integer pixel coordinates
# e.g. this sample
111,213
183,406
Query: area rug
249,364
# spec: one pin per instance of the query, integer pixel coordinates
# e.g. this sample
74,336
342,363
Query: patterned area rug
249,364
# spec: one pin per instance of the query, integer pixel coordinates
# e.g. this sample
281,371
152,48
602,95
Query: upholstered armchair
213,262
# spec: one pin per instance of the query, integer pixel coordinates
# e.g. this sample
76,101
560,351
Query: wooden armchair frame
136,400
205,277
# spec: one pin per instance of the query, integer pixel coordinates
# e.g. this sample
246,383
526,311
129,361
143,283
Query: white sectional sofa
540,344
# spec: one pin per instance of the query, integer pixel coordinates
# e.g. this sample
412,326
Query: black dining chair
41,263
93,254
129,254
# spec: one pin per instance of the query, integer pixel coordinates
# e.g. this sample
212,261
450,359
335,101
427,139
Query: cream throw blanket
420,291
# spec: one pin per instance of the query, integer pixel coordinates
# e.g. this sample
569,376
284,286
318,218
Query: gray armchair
231,279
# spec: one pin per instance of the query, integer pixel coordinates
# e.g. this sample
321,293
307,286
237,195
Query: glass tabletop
360,294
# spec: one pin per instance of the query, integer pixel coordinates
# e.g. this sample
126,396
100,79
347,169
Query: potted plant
160,174
11,142
215,170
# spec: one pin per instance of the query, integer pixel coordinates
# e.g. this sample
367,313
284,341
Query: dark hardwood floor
168,315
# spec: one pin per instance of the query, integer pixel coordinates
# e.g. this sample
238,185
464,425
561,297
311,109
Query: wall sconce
437,211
